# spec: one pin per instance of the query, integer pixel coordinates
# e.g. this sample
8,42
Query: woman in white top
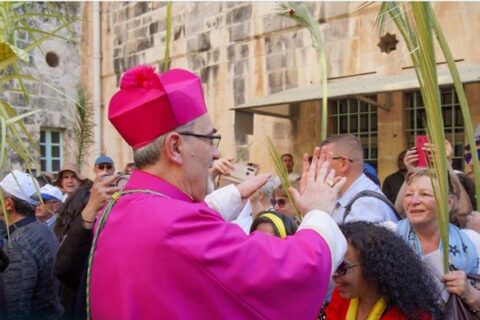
422,232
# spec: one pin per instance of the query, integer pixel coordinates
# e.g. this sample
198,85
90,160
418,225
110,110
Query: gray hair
348,143
150,154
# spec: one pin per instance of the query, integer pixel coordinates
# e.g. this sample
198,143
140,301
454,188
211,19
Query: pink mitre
150,104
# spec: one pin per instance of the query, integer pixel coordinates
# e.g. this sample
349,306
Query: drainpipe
97,89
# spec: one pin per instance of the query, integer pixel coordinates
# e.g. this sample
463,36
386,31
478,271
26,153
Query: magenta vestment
171,258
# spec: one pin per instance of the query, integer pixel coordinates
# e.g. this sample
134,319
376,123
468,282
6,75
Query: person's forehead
204,123
352,254
68,173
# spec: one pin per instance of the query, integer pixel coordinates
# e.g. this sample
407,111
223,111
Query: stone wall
243,51
55,105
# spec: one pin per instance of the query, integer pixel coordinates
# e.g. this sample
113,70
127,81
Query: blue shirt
364,208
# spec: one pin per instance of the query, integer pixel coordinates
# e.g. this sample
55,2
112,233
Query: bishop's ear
172,147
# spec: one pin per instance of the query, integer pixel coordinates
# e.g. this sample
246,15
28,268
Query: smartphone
239,173
422,155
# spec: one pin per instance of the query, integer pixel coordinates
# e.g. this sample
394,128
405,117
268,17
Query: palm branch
282,174
83,134
15,139
414,21
457,82
168,38
299,13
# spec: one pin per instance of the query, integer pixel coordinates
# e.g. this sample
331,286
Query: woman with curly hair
381,278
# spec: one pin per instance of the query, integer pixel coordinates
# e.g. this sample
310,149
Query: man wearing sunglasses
104,164
184,260
347,161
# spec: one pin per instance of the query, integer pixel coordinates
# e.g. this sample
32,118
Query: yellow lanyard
375,313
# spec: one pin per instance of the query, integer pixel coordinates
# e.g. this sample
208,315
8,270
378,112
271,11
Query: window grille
351,116
452,121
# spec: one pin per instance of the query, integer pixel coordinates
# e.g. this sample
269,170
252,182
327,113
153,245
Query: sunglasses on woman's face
280,202
468,156
344,266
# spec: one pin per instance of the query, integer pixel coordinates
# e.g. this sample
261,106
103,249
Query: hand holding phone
422,155
239,173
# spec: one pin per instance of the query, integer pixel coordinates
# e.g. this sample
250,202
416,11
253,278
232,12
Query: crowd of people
158,240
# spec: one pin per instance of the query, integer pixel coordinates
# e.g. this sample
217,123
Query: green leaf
7,62
283,175
8,51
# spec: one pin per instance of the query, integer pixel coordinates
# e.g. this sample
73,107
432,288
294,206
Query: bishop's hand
319,188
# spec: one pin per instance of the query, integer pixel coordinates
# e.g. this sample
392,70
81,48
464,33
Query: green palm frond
83,133
299,13
16,17
282,174
168,38
414,21
462,98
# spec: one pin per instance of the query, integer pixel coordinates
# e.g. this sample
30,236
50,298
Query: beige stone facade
244,51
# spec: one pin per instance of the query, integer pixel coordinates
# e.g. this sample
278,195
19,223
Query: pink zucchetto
150,104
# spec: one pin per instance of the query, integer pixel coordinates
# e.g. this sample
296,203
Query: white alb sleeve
327,228
227,201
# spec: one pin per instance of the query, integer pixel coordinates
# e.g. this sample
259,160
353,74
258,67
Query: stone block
273,45
146,20
194,26
238,86
192,45
239,68
121,17
203,42
272,23
33,88
133,24
178,31
231,52
196,61
290,59
291,79
213,56
239,99
275,81
216,38
239,14
231,4
143,43
211,8
153,28
141,32
140,7
213,22
162,25
239,31
210,72
118,40
244,51
117,52
275,61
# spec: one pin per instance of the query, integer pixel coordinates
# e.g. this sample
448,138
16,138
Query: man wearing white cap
46,211
30,285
